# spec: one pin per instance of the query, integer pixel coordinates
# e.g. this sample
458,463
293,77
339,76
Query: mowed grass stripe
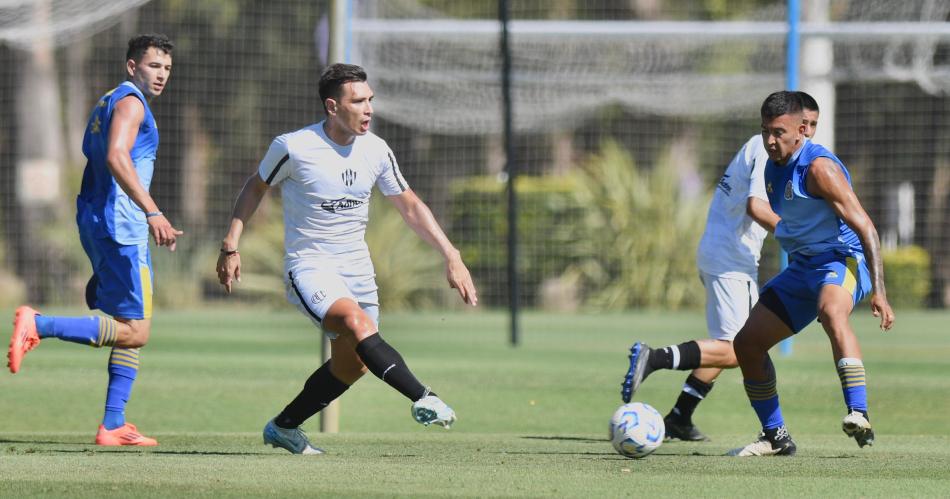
533,420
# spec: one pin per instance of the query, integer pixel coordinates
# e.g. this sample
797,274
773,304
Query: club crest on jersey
788,191
342,204
349,176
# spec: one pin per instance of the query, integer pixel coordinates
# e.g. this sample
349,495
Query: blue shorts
121,283
793,293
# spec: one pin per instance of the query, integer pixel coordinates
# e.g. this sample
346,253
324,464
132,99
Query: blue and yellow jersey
809,225
102,204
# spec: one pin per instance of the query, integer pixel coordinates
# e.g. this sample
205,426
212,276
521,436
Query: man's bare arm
126,119
760,211
418,216
229,260
827,180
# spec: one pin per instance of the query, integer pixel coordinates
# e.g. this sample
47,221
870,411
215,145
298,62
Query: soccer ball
636,430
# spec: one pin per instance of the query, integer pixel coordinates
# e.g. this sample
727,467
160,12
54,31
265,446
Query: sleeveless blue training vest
809,226
102,203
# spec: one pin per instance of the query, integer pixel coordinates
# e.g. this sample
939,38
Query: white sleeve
274,167
757,178
390,181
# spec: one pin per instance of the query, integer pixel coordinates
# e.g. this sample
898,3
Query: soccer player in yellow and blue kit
115,215
834,262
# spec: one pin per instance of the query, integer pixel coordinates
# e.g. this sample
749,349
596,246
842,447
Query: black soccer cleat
685,432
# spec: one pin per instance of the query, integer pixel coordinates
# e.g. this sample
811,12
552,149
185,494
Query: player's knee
832,316
137,337
358,324
729,360
744,347
138,341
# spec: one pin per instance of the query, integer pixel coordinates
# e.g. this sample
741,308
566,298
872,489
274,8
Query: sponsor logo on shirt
342,204
724,185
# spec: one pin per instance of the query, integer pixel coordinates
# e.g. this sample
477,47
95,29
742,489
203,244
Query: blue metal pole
792,45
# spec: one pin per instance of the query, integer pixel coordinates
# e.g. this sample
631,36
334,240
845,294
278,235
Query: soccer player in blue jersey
115,215
834,262
728,261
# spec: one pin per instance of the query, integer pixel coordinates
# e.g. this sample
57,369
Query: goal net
24,23
678,86
625,115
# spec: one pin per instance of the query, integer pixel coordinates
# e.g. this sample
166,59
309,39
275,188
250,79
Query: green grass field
532,419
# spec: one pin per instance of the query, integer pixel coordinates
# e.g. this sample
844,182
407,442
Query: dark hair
779,103
808,102
139,44
334,77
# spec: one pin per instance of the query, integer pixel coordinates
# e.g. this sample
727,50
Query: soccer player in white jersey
326,172
728,261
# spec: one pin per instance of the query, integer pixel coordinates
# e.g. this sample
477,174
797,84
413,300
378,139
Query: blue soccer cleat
294,440
639,357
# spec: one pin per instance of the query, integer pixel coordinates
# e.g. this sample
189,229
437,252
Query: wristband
228,253
153,214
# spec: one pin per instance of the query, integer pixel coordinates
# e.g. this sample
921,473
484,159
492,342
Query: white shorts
314,290
728,303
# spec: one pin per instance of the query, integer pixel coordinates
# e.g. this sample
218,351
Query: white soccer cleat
857,426
431,410
294,440
780,445
761,447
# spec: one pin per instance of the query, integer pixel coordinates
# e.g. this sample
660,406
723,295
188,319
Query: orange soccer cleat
126,434
24,337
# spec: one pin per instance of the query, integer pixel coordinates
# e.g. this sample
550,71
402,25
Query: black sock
682,357
694,391
386,363
320,389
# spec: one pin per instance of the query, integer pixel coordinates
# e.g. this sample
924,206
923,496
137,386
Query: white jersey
326,190
732,241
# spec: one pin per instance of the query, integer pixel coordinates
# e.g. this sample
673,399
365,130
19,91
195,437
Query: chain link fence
626,113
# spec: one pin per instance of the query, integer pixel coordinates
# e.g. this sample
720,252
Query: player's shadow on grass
213,453
608,454
602,455
41,442
566,439
91,448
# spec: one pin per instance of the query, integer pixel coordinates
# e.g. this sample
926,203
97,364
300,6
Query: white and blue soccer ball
636,430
